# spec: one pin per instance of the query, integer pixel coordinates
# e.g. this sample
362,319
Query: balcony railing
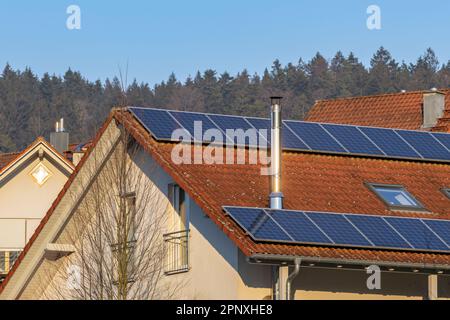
177,251
7,259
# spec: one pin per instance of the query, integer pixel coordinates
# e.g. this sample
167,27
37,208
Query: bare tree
117,232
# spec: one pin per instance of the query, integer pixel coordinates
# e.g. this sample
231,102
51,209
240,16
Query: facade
211,256
29,182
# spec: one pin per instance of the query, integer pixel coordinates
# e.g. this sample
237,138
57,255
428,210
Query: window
179,203
177,242
40,174
446,191
396,197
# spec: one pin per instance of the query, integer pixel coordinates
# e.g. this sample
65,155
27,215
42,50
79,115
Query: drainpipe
292,276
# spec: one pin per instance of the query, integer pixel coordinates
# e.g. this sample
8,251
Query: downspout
292,276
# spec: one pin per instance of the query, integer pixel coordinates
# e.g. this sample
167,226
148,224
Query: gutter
274,259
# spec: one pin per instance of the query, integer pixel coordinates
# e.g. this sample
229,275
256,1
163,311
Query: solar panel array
344,230
300,135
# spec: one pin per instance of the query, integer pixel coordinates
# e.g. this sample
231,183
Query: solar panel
425,144
347,230
158,122
315,136
378,231
228,123
188,120
444,138
338,228
261,124
298,226
417,233
303,136
352,139
289,140
388,141
441,228
257,223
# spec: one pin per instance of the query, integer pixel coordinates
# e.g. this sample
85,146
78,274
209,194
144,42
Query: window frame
373,187
446,192
181,220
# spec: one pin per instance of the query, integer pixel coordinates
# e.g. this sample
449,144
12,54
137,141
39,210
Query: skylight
396,197
446,191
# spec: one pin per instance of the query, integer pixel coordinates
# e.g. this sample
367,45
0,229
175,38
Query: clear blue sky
160,37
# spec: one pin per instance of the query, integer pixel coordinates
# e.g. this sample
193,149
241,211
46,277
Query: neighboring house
413,110
29,182
394,194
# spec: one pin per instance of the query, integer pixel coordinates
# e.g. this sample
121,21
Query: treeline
29,105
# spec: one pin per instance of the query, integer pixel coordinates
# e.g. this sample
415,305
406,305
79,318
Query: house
351,204
29,182
411,110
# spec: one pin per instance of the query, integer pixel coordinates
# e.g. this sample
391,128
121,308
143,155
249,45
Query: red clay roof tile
396,110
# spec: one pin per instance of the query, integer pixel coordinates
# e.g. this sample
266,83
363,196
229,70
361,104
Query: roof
394,110
311,182
6,158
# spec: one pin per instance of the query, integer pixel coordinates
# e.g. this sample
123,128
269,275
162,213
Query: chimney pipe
276,196
60,139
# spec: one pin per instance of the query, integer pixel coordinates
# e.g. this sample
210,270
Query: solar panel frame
357,137
299,226
220,121
378,231
372,246
290,141
400,148
184,118
425,144
315,136
347,234
254,233
410,229
164,137
443,138
437,227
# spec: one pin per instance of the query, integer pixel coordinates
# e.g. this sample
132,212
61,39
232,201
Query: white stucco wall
23,203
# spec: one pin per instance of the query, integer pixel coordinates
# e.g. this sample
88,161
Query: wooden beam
433,287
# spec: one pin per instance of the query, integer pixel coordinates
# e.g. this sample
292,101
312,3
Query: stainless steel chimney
276,196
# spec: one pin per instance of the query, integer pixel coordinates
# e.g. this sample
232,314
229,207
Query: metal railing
177,251
7,259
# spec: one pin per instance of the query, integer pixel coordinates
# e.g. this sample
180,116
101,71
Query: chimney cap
275,99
